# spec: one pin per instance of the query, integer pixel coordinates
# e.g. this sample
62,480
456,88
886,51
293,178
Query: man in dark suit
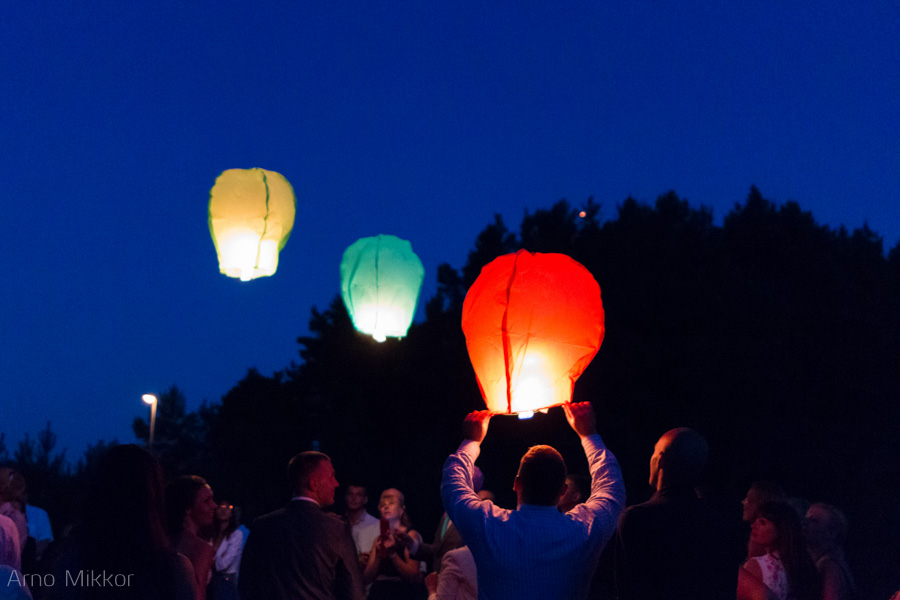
674,545
300,551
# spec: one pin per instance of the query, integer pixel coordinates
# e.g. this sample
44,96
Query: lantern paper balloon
380,281
251,214
532,322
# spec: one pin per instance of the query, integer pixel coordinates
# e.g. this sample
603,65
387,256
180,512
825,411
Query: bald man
674,545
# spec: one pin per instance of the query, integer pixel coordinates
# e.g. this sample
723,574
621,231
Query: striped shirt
535,551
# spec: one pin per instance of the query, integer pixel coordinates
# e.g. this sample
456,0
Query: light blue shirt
38,523
535,551
365,533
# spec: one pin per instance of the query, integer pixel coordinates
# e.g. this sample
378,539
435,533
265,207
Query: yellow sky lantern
251,214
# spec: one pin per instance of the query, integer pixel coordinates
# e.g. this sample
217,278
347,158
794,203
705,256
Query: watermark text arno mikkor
84,578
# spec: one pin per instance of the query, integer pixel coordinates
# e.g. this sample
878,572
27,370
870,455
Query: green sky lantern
380,281
251,214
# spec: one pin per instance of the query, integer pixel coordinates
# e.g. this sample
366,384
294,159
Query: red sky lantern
533,322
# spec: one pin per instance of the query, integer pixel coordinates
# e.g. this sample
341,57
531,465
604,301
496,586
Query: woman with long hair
121,532
190,508
392,573
227,541
784,571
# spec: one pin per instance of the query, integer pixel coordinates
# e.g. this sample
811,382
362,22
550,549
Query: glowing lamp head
381,278
251,214
149,399
533,323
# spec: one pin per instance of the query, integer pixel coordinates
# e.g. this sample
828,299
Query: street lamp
152,401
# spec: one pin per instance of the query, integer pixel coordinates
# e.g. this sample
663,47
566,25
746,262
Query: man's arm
417,547
206,557
348,579
601,510
457,488
463,506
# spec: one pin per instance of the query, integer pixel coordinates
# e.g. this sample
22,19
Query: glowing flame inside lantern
533,387
380,321
245,256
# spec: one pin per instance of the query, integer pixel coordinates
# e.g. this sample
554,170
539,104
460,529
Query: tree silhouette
776,337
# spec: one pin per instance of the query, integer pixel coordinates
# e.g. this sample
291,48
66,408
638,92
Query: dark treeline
774,336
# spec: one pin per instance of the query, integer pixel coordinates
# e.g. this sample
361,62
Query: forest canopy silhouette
774,336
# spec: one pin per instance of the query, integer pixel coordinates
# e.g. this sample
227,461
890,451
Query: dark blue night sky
420,120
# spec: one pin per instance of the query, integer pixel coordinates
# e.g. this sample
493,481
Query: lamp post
152,401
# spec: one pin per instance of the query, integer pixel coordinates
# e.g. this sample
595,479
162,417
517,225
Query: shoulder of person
412,533
192,545
337,519
185,575
754,565
458,553
272,519
331,522
636,511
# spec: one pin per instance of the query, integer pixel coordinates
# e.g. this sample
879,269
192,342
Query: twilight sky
420,120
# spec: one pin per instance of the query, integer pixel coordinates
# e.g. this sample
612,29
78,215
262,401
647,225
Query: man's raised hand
581,417
475,425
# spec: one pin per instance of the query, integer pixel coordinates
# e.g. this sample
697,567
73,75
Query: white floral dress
773,575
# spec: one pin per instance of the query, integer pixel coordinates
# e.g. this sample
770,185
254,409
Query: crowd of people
137,538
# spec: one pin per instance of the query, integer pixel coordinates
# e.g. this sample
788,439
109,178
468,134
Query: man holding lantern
535,551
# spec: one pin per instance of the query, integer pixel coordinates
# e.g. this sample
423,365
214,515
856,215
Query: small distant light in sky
149,398
582,214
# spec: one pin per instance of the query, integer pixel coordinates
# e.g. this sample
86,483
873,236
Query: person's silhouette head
541,478
678,458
